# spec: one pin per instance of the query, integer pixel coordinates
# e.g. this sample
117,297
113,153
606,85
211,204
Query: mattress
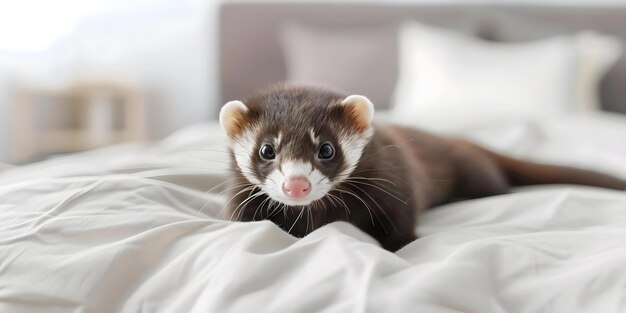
139,228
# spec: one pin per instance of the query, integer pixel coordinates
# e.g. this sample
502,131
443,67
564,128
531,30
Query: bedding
446,77
138,228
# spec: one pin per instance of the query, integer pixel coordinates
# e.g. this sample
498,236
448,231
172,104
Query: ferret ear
360,110
233,117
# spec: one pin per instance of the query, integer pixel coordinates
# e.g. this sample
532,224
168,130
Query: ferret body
304,157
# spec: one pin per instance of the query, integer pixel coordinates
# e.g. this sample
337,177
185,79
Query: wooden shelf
106,114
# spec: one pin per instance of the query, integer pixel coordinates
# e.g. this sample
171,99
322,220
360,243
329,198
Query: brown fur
402,171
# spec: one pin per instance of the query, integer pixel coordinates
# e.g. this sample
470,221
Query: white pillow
597,53
449,81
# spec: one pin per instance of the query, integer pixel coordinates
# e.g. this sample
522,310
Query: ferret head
297,143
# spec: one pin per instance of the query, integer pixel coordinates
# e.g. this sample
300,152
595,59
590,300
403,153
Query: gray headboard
251,56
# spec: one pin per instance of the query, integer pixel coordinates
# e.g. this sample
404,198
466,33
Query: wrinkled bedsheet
138,228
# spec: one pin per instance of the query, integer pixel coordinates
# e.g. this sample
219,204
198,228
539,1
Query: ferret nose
297,187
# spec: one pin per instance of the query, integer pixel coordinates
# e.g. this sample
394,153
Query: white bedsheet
120,229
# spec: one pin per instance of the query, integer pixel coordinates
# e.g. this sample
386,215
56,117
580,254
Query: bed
139,228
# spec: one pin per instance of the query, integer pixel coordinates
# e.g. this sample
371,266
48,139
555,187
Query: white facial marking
273,185
293,169
314,138
243,148
352,147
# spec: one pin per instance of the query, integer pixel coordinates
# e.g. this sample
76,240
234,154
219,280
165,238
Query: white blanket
133,229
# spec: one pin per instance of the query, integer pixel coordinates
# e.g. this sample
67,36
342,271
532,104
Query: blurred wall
165,47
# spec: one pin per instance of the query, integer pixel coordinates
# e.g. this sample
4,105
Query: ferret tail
522,173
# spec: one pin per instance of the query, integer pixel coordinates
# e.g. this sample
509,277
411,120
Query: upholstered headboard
251,55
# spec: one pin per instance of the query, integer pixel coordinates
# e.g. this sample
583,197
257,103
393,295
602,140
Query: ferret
303,157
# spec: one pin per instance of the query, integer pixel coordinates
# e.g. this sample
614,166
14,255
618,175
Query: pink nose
297,187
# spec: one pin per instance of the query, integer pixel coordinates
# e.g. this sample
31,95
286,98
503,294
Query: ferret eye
267,152
327,152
